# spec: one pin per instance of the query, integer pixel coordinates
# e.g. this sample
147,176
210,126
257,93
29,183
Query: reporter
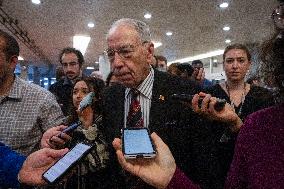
16,169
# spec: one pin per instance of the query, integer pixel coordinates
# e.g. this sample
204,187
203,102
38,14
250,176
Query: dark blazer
194,144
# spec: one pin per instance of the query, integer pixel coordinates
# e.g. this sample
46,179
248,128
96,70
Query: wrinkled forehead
122,35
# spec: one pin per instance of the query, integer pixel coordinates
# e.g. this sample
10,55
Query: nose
235,64
79,96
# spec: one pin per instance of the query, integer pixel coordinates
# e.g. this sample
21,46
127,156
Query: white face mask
162,69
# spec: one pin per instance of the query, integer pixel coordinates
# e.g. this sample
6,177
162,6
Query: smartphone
86,101
188,98
137,143
67,162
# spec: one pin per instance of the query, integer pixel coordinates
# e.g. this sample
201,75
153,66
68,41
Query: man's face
5,67
70,65
197,66
162,65
236,64
131,65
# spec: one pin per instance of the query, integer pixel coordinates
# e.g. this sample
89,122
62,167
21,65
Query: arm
226,115
10,165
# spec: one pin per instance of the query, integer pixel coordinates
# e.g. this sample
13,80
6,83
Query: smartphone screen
137,143
66,162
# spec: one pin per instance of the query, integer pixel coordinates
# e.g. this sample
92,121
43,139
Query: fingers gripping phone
137,143
66,163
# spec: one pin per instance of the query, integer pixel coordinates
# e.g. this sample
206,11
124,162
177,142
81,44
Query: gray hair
141,27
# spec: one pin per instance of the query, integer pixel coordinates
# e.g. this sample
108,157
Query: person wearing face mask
92,172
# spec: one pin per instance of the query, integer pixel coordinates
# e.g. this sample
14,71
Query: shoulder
31,90
167,80
260,91
263,118
56,84
214,89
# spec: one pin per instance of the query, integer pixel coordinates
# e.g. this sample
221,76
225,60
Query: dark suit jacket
193,143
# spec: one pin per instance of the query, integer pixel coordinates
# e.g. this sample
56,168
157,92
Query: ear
13,62
150,52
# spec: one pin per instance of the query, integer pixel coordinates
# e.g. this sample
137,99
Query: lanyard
242,99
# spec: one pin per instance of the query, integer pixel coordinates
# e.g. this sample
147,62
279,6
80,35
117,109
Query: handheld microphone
70,129
188,98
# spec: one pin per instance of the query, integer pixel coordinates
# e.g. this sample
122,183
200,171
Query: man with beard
71,61
26,110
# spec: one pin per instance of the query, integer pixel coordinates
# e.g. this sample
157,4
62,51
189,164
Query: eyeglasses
278,16
71,64
124,52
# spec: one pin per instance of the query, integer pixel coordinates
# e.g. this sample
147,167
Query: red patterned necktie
134,118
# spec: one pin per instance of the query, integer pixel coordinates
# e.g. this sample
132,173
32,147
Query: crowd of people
198,146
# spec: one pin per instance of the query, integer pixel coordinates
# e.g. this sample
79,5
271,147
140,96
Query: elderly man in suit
130,52
194,142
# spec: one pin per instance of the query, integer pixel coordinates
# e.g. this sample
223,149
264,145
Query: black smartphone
67,162
137,143
70,129
188,98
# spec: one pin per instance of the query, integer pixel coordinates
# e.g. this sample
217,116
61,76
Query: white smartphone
137,143
63,165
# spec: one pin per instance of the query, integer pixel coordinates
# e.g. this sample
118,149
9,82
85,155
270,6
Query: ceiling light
215,60
96,62
224,5
169,33
200,56
90,68
91,24
226,28
227,41
37,2
81,43
157,44
20,58
147,16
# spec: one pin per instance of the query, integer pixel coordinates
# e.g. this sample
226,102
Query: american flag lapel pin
161,97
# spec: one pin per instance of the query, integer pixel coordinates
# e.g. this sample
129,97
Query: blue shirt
10,165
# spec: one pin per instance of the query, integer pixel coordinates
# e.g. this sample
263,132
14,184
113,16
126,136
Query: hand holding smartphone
66,163
137,143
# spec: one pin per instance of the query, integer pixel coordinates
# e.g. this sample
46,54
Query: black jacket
62,90
192,140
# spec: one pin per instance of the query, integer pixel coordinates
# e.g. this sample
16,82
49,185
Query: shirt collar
145,88
16,90
67,81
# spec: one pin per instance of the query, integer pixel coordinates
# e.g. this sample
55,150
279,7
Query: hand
37,163
158,171
50,138
198,75
86,117
227,114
